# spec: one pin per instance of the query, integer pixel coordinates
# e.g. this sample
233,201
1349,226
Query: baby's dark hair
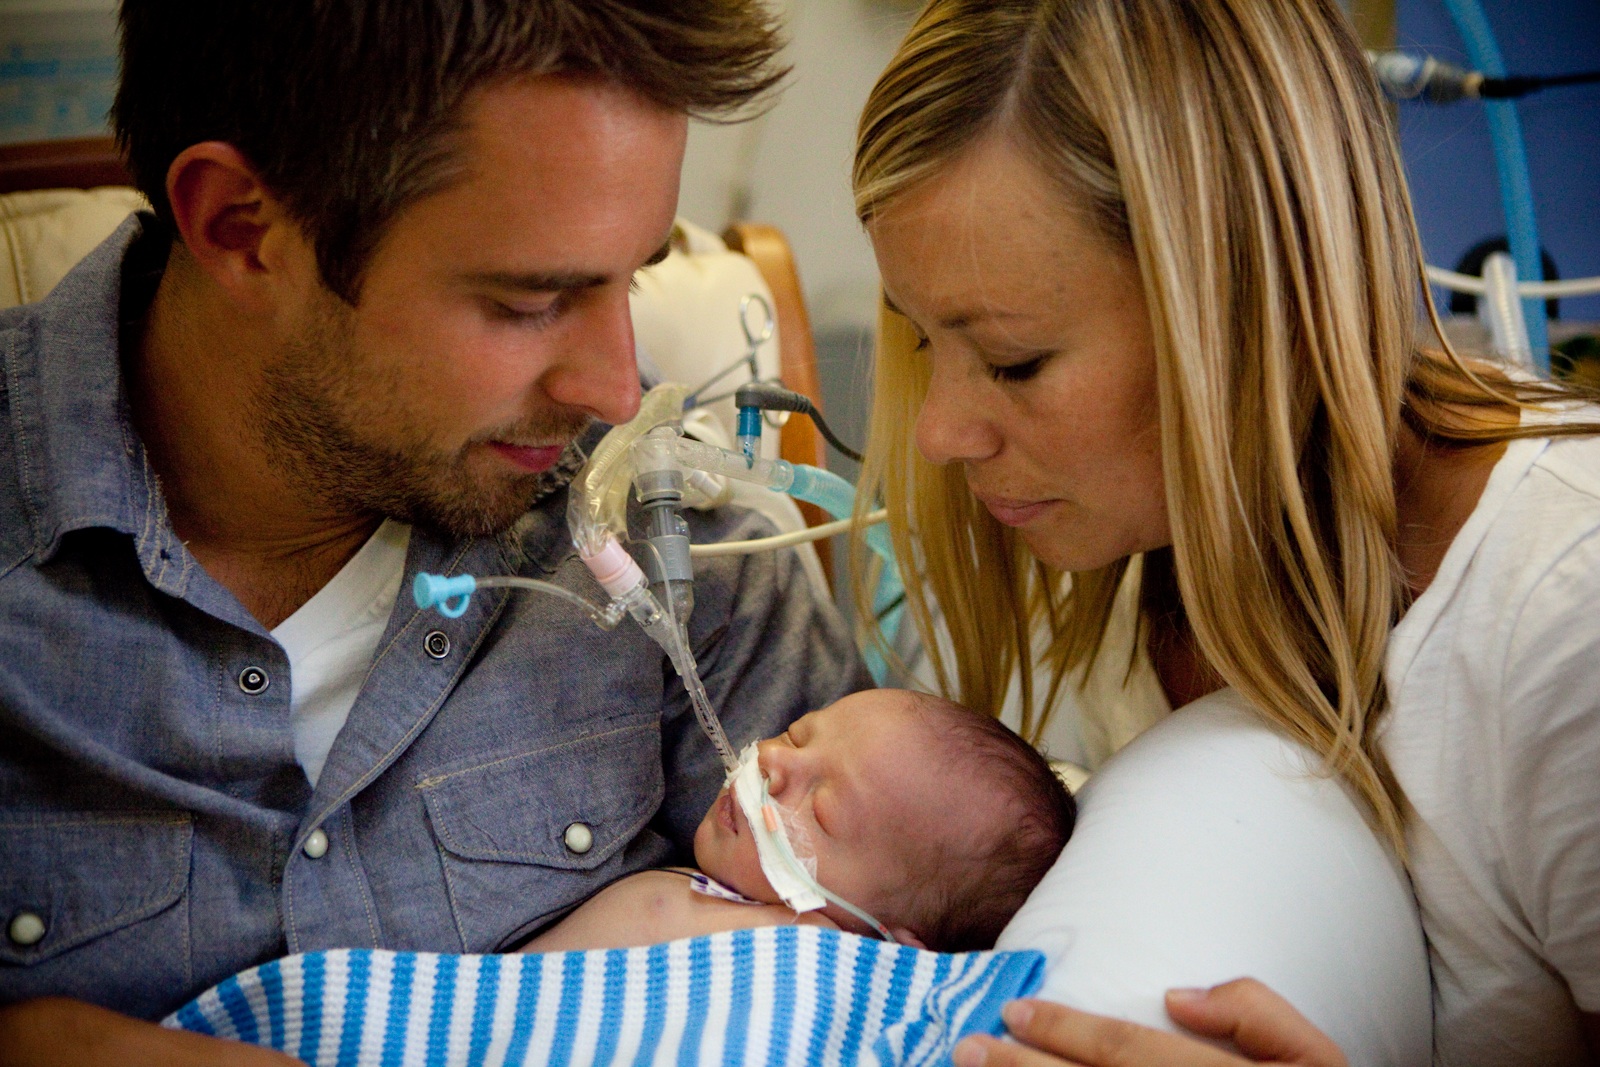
983,881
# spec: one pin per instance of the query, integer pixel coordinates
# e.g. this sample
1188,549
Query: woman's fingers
1260,1023
1061,1035
992,1052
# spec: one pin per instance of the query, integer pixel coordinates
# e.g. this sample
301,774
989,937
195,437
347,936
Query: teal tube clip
450,595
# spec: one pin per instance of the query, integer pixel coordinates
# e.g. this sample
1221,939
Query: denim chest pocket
93,906
528,835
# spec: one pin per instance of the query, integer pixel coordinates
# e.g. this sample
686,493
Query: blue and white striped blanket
775,995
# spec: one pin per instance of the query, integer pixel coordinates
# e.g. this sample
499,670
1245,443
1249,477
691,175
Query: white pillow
1209,849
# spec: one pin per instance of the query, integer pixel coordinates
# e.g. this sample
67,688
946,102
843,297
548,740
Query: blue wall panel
1449,160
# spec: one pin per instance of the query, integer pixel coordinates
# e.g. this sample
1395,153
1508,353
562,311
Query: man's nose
953,424
599,373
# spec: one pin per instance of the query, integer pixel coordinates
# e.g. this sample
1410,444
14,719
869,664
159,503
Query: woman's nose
955,424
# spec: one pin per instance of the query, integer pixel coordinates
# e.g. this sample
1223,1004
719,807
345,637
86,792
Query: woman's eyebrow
959,320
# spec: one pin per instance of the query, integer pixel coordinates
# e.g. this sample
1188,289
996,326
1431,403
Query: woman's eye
1017,372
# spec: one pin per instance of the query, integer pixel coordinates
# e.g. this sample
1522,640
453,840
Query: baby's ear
904,936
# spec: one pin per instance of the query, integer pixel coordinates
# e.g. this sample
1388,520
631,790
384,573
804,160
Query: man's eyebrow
554,281
537,281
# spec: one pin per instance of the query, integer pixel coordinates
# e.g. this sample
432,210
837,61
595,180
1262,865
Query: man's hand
54,1030
1261,1024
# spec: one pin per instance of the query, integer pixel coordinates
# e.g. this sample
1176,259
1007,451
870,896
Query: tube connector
450,595
625,583
749,437
614,569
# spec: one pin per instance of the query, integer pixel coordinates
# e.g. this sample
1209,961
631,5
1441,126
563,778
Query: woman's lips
1015,512
533,458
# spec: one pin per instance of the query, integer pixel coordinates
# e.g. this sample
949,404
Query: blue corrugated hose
1511,165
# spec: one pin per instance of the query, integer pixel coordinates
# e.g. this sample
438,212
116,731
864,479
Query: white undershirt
330,642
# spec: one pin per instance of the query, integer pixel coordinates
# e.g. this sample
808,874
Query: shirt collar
78,434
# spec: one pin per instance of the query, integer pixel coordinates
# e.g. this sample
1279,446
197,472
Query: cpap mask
776,834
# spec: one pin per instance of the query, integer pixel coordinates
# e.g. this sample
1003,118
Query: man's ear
232,226
904,936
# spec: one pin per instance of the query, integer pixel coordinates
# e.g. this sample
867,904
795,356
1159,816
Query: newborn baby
931,818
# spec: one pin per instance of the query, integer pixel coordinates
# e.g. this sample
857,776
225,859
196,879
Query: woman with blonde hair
1152,285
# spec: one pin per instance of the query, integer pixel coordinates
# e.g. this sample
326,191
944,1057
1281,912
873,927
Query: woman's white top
1494,733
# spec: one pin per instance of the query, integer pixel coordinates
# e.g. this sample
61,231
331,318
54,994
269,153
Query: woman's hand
1261,1024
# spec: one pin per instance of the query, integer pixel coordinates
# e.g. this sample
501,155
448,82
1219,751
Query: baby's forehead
892,730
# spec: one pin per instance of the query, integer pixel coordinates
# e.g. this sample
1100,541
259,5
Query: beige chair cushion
686,318
44,233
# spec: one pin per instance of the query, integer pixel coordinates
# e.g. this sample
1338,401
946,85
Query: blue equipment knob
449,595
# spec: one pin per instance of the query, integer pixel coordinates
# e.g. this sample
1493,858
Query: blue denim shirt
152,812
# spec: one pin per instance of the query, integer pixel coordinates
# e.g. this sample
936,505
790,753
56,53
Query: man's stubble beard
336,421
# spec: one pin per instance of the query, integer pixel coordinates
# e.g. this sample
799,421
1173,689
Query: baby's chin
713,858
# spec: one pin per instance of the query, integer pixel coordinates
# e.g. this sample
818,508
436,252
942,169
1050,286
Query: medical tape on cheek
774,828
795,887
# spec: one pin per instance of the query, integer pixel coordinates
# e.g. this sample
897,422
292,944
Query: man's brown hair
346,108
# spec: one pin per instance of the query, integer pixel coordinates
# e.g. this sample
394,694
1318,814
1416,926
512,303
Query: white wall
791,168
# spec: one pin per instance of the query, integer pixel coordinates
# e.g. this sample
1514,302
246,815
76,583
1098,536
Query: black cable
1509,87
1416,76
770,396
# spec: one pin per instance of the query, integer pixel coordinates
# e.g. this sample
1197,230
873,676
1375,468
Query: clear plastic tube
604,617
664,628
772,473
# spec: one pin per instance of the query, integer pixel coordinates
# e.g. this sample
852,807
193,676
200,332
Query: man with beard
381,301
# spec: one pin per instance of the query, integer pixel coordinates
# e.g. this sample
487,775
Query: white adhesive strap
795,892
798,887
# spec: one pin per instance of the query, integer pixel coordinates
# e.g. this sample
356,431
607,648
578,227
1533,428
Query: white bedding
1210,848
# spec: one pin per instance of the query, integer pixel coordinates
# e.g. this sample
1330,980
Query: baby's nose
775,759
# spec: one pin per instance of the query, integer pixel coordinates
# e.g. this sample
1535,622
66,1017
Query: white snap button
579,838
26,929
316,845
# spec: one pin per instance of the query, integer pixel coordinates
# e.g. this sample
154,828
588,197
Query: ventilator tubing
837,497
597,499
622,578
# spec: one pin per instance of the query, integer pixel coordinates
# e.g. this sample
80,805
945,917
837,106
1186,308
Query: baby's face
860,784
